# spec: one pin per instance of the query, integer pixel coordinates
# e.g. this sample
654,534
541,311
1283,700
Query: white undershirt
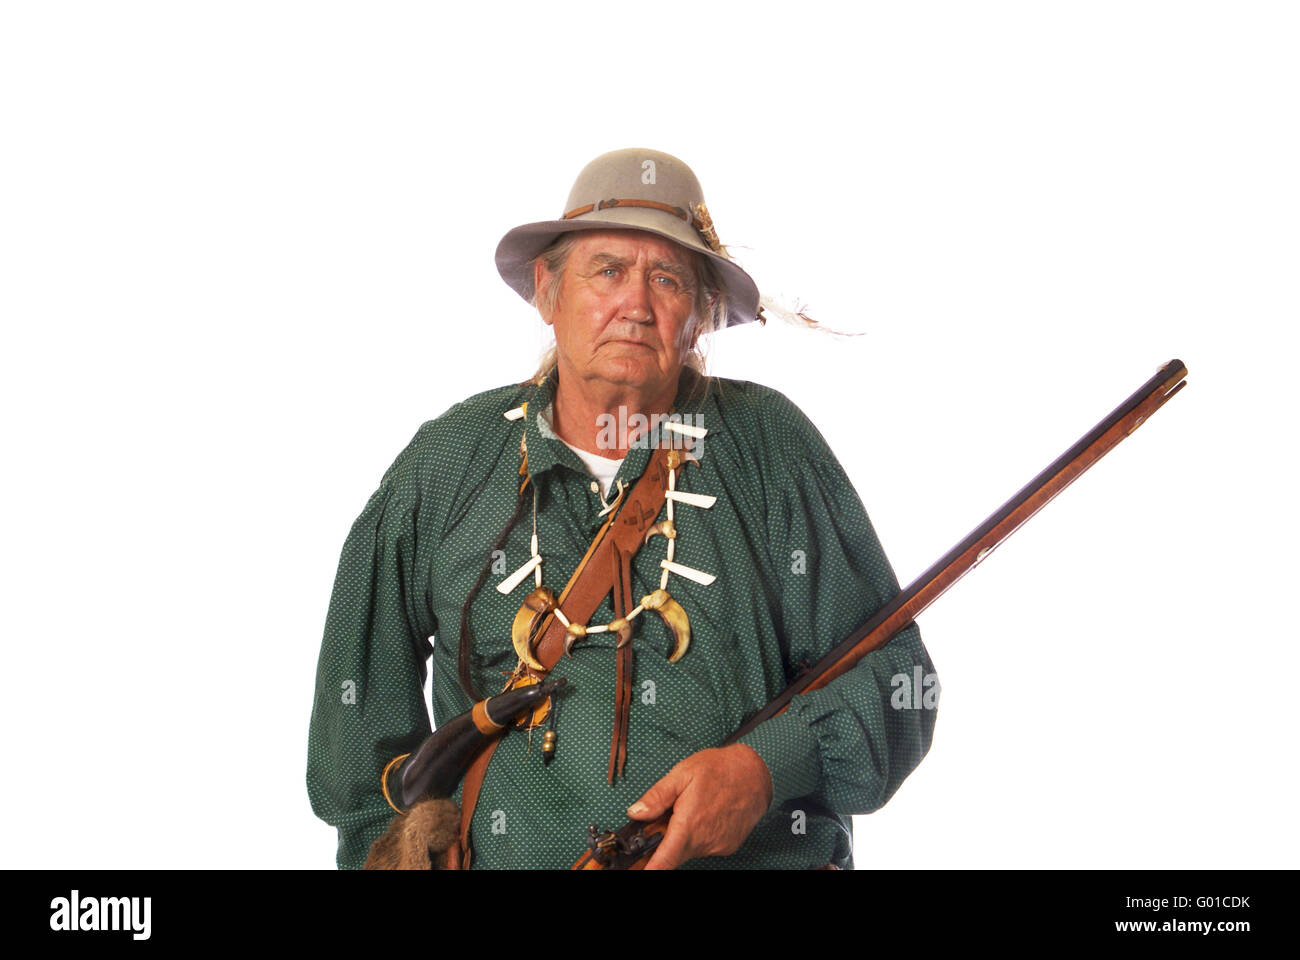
602,468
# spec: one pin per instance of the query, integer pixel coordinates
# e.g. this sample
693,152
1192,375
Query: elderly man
674,546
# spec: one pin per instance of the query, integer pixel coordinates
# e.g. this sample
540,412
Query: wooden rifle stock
631,846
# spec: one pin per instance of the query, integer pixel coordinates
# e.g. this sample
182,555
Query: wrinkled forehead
631,246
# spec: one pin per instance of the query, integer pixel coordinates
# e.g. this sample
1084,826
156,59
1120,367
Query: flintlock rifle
632,845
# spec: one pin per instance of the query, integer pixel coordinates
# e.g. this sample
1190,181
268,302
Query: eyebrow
607,260
671,266
667,266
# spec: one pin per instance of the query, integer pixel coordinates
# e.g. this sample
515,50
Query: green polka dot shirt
798,567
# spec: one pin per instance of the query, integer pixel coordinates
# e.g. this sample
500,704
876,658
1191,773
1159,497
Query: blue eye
610,272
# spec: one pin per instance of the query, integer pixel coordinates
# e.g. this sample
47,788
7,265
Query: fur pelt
426,837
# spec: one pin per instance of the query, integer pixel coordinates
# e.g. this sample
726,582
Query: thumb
658,798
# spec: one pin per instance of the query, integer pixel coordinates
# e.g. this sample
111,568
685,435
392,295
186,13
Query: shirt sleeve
369,702
849,745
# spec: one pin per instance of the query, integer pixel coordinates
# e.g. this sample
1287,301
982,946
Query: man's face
624,305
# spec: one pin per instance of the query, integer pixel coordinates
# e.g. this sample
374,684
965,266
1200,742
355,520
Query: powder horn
439,763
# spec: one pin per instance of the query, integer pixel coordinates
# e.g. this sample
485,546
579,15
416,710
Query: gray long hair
708,316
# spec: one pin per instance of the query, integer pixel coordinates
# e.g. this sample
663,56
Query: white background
246,250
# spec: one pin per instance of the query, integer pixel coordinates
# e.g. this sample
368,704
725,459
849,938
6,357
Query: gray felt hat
633,190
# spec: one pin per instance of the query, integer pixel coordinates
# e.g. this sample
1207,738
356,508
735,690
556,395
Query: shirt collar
546,450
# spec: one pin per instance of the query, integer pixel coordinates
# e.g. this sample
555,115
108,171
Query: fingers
715,797
659,797
673,850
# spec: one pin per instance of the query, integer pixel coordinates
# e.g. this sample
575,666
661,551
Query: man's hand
717,796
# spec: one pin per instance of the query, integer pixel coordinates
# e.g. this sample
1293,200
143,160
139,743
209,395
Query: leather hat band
631,202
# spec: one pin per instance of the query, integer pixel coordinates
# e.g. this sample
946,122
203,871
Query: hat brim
519,247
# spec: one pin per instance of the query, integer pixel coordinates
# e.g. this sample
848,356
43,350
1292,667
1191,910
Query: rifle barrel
980,542
960,560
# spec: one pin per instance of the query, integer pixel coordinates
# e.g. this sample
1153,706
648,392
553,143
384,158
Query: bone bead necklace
541,600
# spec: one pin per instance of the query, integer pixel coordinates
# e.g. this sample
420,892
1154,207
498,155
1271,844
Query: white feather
796,317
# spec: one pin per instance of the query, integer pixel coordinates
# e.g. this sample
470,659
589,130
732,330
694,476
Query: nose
636,301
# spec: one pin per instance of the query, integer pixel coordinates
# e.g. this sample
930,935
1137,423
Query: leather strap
626,202
623,685
469,798
586,591
582,595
